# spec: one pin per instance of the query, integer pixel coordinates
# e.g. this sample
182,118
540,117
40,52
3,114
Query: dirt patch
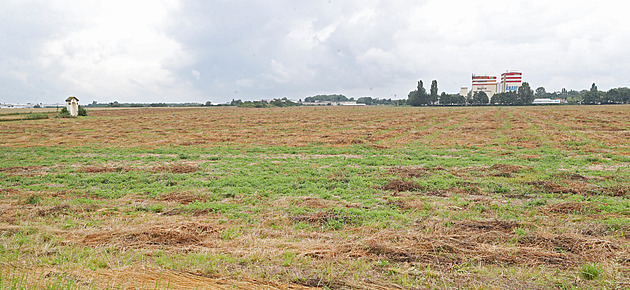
320,218
55,210
467,188
551,187
618,190
104,169
570,176
181,197
175,168
407,204
400,185
410,172
506,170
9,191
184,233
24,170
491,225
311,202
571,207
322,283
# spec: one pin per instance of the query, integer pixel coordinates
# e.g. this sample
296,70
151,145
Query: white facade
72,105
463,91
487,84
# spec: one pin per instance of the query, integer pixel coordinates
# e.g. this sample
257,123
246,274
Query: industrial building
487,84
510,81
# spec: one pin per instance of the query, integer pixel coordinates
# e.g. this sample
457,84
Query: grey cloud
219,50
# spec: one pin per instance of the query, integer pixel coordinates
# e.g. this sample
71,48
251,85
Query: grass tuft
590,271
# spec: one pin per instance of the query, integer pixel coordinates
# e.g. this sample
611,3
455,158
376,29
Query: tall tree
434,92
594,88
525,94
418,97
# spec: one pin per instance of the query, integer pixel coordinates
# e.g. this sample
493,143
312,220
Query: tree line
523,96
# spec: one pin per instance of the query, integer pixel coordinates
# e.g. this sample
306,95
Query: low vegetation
331,197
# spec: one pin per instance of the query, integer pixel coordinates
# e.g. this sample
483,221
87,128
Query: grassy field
332,197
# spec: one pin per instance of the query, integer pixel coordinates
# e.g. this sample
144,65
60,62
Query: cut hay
184,233
181,197
570,207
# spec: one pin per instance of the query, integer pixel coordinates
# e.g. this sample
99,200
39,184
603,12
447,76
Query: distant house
546,102
72,105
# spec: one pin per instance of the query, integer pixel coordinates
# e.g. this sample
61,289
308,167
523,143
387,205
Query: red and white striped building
510,81
487,84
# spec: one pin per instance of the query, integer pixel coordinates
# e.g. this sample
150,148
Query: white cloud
196,74
155,50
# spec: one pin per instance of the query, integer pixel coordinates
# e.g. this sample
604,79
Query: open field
333,197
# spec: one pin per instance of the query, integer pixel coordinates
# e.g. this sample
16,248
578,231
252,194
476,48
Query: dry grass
377,127
169,234
460,235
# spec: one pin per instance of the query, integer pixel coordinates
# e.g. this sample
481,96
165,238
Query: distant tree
459,99
208,103
235,102
593,96
480,98
541,93
613,96
504,99
525,95
624,94
284,102
365,100
496,99
434,92
418,97
445,99
326,98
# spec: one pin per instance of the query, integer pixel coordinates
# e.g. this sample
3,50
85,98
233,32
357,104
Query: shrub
64,113
590,271
82,111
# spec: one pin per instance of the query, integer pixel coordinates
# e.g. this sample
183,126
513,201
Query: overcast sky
198,51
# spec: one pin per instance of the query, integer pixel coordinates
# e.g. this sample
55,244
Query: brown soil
400,185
